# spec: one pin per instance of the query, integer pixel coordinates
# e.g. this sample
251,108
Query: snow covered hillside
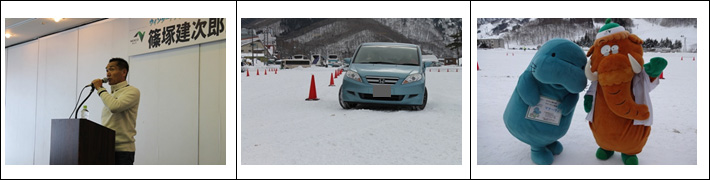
673,138
531,32
279,127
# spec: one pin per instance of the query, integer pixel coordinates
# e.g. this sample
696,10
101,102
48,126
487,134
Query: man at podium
120,109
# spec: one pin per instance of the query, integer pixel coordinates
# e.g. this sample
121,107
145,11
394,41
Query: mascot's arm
528,89
655,67
568,103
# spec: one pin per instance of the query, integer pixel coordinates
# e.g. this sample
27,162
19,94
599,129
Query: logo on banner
139,34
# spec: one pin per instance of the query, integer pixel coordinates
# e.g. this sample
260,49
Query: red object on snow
247,72
477,68
332,83
276,71
312,94
438,70
257,72
264,72
662,76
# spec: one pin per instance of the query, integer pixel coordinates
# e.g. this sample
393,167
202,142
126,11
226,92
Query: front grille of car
391,98
381,80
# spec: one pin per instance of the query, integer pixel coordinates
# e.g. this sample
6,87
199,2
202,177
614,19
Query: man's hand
97,83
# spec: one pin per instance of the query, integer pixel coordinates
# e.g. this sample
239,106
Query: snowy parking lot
278,127
673,138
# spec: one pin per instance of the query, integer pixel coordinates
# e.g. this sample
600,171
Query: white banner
156,34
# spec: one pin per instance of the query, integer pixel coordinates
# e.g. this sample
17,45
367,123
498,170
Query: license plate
381,91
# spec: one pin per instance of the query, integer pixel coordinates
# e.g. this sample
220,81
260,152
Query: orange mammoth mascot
618,103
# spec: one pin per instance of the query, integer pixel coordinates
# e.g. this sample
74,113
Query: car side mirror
427,63
347,60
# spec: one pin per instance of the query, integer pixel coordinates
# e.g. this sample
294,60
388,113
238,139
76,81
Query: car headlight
353,75
412,78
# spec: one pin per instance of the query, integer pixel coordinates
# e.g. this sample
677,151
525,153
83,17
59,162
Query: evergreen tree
647,43
677,45
456,45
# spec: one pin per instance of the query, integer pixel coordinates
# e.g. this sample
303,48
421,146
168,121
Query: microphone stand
82,103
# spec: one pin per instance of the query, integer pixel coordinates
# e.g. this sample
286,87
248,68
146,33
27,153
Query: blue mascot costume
540,110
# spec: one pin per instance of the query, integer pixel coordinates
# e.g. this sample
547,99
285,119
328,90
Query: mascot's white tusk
588,72
634,64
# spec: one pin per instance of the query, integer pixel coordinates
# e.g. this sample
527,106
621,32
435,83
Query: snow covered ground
673,138
279,127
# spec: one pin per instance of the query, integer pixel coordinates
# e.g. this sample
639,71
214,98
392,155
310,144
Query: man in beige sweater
120,109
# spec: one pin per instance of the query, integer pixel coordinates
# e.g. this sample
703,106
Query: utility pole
251,32
684,38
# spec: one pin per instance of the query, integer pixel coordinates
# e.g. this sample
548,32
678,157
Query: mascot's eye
553,54
605,50
615,49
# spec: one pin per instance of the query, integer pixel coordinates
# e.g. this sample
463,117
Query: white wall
21,103
168,111
212,102
56,80
181,117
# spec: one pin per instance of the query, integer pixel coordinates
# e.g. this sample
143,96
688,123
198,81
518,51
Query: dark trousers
125,158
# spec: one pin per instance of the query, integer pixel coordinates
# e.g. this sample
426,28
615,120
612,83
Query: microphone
104,80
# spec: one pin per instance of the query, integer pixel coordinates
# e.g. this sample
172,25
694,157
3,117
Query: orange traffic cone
312,94
693,58
276,71
681,58
438,70
247,72
332,83
457,70
662,76
264,72
477,67
447,70
257,72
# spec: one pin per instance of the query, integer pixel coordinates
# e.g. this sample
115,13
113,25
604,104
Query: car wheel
345,105
421,107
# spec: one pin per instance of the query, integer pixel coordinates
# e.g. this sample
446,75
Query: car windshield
399,55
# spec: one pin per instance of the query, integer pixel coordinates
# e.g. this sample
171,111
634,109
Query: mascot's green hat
609,28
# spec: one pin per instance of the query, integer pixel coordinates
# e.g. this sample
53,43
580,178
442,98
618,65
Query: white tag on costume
545,111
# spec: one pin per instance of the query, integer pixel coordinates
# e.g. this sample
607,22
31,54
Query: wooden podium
81,142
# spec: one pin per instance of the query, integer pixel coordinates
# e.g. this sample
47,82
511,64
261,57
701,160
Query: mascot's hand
655,67
588,103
